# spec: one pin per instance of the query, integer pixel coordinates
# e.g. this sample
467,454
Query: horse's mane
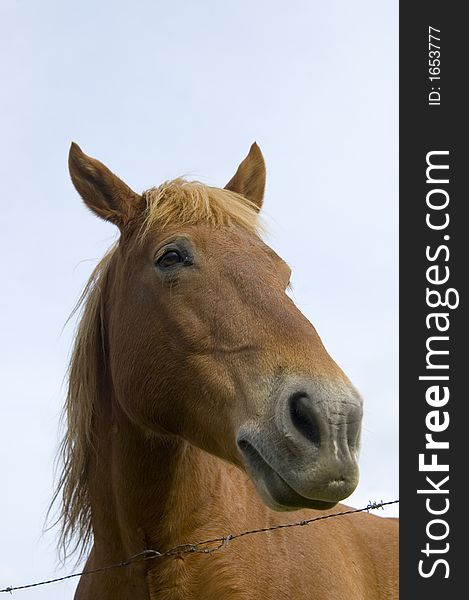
184,202
174,202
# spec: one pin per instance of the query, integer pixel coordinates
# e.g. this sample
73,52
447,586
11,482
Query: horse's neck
149,492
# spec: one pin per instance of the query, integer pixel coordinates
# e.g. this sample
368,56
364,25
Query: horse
200,402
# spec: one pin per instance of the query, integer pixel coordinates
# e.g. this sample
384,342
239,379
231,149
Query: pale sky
159,89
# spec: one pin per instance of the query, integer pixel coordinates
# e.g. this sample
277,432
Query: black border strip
435,123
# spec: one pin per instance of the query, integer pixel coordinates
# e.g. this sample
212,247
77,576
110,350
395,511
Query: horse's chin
278,495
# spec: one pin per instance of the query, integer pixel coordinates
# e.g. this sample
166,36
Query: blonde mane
184,202
174,202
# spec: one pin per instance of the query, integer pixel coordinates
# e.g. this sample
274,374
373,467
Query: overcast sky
158,89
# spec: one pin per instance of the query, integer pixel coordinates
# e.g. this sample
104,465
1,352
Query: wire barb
205,547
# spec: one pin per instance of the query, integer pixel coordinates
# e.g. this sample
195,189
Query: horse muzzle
304,450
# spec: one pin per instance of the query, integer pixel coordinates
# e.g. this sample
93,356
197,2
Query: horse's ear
249,179
102,191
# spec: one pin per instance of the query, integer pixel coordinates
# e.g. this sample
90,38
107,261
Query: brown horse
202,402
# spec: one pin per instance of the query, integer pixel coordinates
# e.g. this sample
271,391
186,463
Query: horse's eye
170,259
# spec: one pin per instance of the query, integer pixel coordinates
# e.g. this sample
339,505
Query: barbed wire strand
205,547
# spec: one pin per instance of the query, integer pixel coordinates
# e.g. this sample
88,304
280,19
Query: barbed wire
205,547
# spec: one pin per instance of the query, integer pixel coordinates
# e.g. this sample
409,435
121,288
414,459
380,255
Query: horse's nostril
354,428
303,417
